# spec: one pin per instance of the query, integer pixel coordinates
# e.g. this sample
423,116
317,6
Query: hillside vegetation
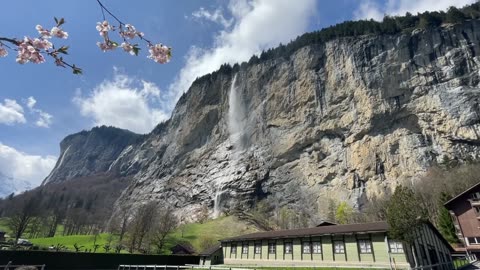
198,235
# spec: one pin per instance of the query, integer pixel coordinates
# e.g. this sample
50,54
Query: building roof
316,231
328,230
209,251
462,194
185,246
326,223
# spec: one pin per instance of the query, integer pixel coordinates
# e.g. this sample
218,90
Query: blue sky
41,104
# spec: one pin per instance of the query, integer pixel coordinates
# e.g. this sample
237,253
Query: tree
165,223
32,50
404,214
284,218
445,222
21,214
207,241
344,213
454,15
140,225
261,215
77,247
332,207
95,236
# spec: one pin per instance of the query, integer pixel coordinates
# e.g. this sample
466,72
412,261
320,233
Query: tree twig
10,40
108,11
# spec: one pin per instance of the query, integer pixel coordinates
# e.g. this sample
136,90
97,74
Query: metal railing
440,266
9,266
176,267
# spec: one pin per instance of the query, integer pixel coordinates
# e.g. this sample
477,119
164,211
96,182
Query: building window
317,247
365,246
339,247
233,249
306,248
245,249
272,248
396,247
473,240
258,248
288,248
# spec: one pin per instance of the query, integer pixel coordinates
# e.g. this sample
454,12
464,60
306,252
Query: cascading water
236,128
236,117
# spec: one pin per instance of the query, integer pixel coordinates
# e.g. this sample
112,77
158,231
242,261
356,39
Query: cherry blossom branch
108,11
158,52
32,49
10,40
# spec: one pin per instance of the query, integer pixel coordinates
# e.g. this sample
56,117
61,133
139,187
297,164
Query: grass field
3,225
68,241
216,229
193,233
310,268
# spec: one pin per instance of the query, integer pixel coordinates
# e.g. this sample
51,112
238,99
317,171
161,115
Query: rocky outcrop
92,152
347,120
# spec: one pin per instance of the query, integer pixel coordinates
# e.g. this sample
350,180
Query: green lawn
308,268
3,225
82,240
193,233
219,228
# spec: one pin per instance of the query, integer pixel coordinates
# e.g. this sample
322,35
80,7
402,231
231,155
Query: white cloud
257,25
215,16
31,101
123,102
370,9
11,112
25,167
44,119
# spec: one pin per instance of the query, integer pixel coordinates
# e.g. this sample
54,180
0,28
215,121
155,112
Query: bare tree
141,225
120,221
165,223
21,214
207,241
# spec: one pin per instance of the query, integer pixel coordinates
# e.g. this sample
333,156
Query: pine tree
445,223
404,214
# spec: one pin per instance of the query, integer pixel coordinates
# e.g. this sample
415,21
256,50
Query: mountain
91,152
9,185
346,118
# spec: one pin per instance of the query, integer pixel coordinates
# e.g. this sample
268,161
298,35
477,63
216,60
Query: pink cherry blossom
106,46
128,48
43,32
130,32
103,28
28,53
3,51
160,53
59,33
42,44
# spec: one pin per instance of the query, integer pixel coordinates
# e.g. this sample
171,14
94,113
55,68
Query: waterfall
236,117
236,122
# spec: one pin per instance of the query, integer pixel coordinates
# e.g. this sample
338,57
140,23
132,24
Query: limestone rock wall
347,120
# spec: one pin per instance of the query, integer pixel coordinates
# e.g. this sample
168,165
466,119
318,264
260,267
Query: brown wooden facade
465,212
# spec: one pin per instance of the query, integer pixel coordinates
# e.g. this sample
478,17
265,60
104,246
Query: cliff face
91,152
346,120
